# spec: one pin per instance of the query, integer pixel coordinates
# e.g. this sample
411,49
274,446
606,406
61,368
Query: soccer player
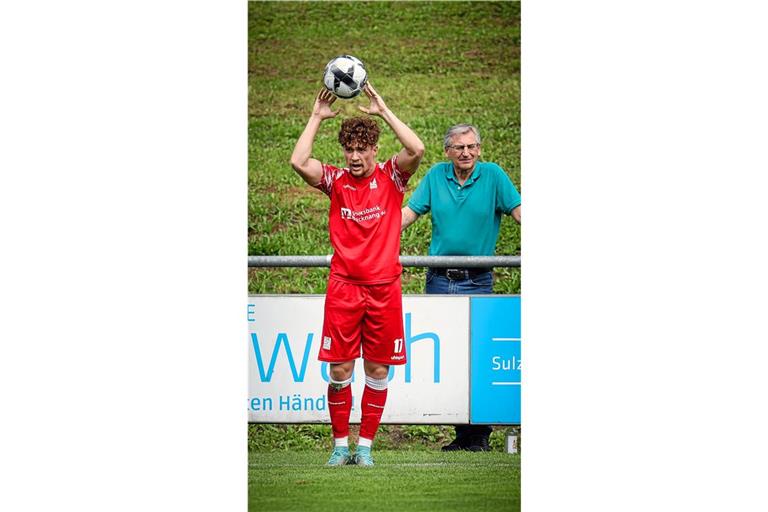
363,303
467,198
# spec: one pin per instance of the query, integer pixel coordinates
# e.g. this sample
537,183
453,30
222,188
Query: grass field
269,437
400,481
435,63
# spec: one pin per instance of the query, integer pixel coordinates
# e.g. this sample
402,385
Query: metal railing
406,261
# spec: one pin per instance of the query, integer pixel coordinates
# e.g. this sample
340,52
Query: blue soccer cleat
363,456
340,456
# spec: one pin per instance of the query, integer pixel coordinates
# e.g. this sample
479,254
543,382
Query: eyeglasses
460,148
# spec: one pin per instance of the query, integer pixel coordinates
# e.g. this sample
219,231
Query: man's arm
507,195
409,217
310,169
413,149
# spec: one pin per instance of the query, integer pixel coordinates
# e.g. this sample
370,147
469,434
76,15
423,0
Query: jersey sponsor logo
373,184
372,213
326,343
350,187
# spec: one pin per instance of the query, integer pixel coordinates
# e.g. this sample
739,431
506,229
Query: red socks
373,407
339,406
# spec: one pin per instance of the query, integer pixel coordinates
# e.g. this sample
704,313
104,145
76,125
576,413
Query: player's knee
376,371
340,372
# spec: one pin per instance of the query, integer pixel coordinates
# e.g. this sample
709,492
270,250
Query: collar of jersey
450,175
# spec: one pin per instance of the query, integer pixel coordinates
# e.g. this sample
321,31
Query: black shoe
456,445
479,444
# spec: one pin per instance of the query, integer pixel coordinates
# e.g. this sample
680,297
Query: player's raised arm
413,149
310,169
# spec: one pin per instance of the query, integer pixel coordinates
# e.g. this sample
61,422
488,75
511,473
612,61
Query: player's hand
323,102
377,106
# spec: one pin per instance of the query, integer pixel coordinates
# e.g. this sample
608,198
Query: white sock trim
339,383
364,442
377,384
341,441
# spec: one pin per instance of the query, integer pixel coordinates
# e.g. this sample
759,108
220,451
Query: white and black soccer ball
345,76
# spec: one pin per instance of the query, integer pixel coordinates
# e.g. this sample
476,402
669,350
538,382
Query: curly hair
358,130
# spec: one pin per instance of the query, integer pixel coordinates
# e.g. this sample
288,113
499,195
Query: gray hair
459,129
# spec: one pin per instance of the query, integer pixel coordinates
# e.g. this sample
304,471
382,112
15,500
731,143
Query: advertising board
287,384
496,367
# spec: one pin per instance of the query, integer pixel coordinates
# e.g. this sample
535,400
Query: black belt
459,274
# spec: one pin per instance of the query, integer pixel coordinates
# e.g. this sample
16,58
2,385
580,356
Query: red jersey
364,222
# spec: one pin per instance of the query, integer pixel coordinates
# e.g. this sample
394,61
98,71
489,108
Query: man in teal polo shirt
466,198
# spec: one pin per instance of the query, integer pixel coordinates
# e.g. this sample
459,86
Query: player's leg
340,346
339,407
382,346
372,407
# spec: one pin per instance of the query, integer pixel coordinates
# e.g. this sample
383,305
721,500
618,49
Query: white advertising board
287,384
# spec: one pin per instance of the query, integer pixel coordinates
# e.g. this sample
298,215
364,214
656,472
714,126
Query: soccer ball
345,76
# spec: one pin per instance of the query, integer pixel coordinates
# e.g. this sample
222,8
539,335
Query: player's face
464,158
361,159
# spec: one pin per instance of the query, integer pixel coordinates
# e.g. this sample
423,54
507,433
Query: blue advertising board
495,367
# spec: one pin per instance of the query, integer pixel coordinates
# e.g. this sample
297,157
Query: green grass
400,481
435,63
270,437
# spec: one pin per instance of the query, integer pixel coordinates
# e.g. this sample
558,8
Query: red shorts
367,316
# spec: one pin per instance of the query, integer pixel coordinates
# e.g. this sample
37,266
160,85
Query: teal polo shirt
465,218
